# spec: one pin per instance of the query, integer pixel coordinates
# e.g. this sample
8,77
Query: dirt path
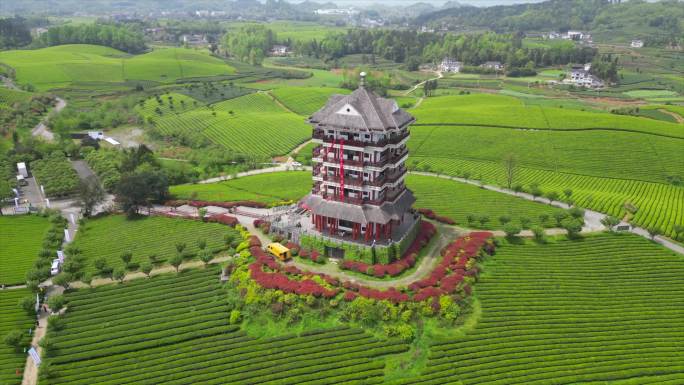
41,130
675,115
439,76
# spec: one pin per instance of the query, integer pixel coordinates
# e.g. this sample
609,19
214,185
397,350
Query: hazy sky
479,3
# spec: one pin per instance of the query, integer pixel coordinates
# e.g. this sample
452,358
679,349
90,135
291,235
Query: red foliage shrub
224,219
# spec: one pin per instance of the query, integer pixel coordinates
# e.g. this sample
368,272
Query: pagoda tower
359,169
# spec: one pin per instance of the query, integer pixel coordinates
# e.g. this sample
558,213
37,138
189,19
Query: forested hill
636,17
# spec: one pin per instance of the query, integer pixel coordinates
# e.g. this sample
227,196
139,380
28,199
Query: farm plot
13,318
658,205
253,124
266,188
21,238
614,154
109,237
306,100
601,310
175,329
499,110
458,200
9,97
55,174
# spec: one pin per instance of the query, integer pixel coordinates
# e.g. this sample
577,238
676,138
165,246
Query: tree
511,230
483,220
90,194
140,189
525,222
510,163
518,187
568,194
610,222
535,190
504,219
543,218
206,257
146,268
559,216
573,226
62,279
180,246
678,230
176,261
552,195
87,279
119,275
538,233
14,340
576,212
28,304
654,231
126,257
202,243
102,267
56,303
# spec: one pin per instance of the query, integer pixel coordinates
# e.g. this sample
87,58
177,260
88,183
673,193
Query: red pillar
378,232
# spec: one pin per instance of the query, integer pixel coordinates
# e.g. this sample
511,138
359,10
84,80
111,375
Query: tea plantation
607,160
63,65
266,188
111,236
459,200
306,100
176,329
13,318
250,124
20,243
606,309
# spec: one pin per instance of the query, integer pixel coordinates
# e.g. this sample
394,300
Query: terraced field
21,239
251,124
306,100
174,329
498,110
63,65
458,200
110,236
638,164
266,188
606,309
12,317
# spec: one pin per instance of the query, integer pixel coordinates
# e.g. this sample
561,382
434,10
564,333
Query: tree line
120,36
413,48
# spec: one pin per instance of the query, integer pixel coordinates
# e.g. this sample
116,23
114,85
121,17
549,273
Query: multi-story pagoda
358,192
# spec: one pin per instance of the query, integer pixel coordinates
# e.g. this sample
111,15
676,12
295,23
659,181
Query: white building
637,44
280,50
493,65
337,12
583,78
574,35
450,65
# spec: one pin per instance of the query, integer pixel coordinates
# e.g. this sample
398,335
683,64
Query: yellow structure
279,251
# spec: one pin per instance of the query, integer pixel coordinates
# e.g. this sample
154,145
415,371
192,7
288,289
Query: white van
54,269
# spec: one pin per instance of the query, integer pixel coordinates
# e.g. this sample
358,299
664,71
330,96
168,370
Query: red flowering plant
408,260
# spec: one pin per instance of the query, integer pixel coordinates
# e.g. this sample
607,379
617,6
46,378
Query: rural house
581,77
637,43
450,65
493,65
280,50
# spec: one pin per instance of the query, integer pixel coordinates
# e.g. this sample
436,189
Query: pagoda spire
362,79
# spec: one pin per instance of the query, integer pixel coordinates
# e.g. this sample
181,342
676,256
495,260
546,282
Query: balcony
389,197
393,139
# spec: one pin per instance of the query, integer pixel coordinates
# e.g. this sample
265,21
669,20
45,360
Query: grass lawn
21,239
267,188
113,235
13,317
457,200
572,312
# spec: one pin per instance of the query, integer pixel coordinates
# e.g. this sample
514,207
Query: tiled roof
361,110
